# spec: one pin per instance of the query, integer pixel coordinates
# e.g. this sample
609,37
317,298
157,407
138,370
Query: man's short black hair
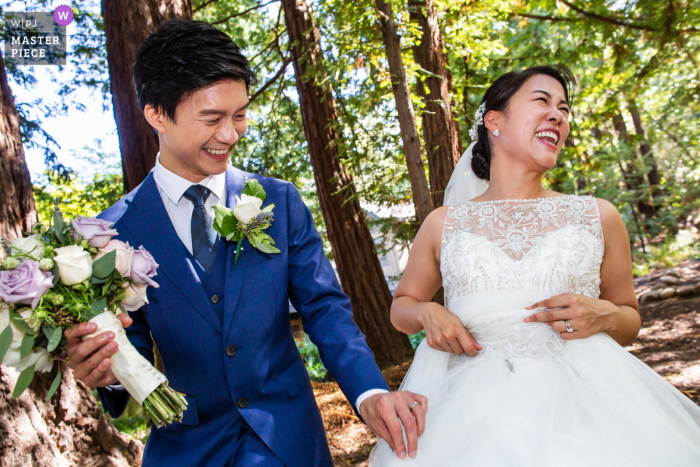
181,57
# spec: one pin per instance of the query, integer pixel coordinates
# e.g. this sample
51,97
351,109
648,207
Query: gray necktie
203,233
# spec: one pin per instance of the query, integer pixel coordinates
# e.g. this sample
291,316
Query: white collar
175,186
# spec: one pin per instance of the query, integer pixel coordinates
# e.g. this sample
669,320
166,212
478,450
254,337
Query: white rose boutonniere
247,220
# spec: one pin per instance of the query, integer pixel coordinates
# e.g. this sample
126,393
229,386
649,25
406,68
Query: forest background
367,104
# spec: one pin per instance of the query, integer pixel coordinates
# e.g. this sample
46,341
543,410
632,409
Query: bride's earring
496,133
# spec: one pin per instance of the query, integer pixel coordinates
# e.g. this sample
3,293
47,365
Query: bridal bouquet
71,272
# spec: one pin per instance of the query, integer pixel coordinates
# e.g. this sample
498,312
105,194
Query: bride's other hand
413,310
586,315
617,310
444,331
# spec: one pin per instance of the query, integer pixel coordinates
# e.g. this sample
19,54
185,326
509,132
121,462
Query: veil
464,185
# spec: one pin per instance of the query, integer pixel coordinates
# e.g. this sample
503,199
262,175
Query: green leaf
54,339
99,306
27,346
19,322
54,272
59,226
268,208
265,248
229,224
96,280
254,188
5,341
221,212
54,385
40,340
23,382
104,266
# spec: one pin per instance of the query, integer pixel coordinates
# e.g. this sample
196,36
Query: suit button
215,299
242,402
231,350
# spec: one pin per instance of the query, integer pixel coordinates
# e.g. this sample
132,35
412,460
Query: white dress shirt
171,188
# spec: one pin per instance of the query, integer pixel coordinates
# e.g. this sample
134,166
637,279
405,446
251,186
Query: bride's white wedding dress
530,398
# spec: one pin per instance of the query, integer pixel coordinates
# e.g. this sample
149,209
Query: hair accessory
479,119
496,133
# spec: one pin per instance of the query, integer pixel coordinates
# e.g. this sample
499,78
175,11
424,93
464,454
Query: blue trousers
251,451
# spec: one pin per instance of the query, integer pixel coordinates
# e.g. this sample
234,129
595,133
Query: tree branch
608,19
203,5
549,18
235,15
272,80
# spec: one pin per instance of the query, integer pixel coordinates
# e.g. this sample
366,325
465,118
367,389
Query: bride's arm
616,284
412,309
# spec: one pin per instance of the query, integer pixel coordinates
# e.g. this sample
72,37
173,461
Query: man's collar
175,186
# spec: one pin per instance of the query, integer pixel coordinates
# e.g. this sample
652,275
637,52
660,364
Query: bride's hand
444,331
586,315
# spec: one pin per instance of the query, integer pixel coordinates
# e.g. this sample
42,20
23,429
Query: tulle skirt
531,399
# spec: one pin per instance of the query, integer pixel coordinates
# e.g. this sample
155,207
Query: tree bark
404,109
127,24
70,429
440,131
653,176
355,255
17,210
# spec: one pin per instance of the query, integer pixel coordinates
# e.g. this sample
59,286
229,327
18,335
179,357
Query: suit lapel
235,275
149,223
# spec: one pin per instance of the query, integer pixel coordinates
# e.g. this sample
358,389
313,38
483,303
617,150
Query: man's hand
382,413
90,360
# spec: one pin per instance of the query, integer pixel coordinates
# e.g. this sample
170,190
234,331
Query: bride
524,366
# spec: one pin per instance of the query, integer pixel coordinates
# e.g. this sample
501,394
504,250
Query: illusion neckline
525,200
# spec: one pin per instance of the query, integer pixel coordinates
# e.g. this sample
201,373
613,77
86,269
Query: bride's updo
497,97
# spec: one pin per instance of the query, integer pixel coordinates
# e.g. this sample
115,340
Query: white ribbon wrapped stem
133,371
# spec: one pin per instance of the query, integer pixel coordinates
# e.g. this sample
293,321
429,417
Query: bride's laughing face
535,124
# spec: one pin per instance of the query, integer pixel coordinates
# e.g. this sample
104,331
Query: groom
223,328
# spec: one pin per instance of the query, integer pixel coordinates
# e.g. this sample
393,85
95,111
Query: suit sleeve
326,311
115,398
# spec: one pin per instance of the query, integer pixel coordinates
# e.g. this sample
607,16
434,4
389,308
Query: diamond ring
413,405
568,326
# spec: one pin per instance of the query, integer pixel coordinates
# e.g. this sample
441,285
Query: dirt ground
668,343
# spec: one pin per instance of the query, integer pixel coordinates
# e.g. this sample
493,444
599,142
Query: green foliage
416,339
312,360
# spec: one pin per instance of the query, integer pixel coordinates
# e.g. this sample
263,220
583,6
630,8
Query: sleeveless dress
530,398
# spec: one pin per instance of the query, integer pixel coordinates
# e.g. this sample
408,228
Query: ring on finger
415,403
568,326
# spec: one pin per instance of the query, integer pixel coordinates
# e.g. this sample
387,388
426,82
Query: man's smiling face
207,125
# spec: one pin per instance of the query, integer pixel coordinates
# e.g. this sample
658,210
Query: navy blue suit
233,355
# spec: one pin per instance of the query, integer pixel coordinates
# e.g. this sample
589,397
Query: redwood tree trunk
440,131
353,248
17,210
127,24
404,108
70,429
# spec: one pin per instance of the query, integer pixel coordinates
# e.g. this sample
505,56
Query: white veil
464,185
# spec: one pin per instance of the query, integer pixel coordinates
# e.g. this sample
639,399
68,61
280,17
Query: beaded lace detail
552,245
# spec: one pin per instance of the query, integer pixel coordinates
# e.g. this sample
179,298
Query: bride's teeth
217,152
548,134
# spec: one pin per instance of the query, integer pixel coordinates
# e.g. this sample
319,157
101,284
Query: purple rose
97,231
143,267
25,284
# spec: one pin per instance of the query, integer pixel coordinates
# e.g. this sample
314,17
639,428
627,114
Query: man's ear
155,118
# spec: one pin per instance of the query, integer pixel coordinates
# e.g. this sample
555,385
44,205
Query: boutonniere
247,220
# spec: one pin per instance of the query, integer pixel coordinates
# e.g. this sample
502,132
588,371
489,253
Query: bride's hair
497,97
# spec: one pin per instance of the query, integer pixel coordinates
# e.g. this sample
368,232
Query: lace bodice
547,245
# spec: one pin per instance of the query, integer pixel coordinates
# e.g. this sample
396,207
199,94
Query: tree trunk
653,176
440,131
355,255
404,108
127,24
17,210
70,429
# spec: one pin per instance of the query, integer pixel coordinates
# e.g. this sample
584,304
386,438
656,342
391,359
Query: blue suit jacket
267,369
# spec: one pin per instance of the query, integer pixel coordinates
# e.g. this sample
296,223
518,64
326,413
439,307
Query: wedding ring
568,326
413,405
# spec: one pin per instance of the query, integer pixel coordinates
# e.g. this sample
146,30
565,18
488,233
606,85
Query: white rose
74,264
135,297
124,259
4,316
32,246
246,208
38,357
